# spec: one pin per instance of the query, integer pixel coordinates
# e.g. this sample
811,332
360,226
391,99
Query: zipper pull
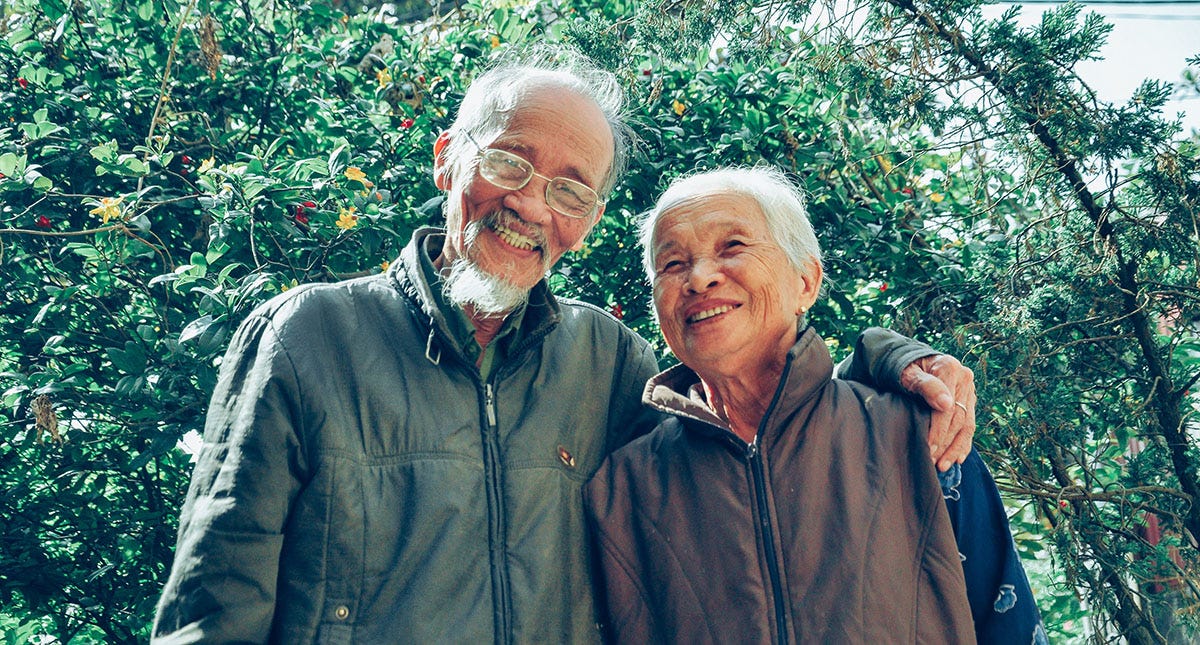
752,449
490,405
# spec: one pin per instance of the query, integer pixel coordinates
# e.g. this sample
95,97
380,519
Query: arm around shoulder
879,356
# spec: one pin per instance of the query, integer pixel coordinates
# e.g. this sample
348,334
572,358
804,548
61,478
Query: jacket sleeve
1002,603
878,358
628,417
222,585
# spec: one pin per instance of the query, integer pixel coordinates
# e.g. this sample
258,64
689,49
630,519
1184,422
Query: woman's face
728,299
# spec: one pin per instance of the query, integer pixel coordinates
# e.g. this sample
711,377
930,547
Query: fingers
917,379
963,428
948,387
940,434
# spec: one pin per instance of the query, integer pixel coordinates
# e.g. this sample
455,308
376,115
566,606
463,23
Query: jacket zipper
757,470
497,528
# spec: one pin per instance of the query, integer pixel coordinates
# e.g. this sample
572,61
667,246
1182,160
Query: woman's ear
441,162
810,285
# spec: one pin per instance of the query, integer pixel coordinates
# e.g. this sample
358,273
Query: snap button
566,457
342,612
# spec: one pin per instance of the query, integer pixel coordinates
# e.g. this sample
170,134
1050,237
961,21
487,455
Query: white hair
781,201
492,98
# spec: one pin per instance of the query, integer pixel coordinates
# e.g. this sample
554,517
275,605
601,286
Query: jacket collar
541,314
807,370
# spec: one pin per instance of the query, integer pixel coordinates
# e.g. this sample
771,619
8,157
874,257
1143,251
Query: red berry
883,287
420,78
646,72
185,159
301,218
23,83
406,123
907,191
42,222
617,312
309,205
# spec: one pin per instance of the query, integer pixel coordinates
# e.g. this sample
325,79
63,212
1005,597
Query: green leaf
195,328
105,152
11,165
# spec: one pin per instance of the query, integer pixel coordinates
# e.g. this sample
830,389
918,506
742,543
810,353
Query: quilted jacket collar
678,391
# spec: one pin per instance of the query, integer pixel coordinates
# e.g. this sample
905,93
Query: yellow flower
347,219
884,163
109,208
206,165
354,173
383,76
495,42
937,198
679,107
384,267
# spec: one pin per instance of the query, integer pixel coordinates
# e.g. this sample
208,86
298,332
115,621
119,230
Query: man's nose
530,202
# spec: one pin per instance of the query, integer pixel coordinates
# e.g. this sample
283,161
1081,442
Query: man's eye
569,194
670,266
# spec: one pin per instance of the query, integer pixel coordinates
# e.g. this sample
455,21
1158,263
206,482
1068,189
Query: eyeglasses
510,172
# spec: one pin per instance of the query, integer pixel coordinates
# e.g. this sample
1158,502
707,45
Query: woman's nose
705,274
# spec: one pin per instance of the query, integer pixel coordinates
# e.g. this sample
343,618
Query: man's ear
441,162
583,238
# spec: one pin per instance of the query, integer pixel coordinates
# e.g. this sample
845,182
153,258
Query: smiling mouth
513,238
709,313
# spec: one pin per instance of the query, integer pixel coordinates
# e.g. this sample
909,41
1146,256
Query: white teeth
514,238
709,313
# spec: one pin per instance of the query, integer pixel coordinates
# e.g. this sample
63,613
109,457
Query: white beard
487,294
469,284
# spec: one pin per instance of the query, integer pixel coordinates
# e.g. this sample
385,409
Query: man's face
513,234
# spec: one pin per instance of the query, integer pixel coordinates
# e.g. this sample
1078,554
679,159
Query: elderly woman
776,504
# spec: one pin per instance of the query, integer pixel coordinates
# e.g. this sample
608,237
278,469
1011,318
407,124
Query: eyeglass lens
509,171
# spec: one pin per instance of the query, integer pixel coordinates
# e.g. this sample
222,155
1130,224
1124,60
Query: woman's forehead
710,214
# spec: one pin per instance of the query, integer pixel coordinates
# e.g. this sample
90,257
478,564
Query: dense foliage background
167,165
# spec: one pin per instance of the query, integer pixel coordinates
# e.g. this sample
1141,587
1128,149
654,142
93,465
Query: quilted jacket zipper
758,474
497,528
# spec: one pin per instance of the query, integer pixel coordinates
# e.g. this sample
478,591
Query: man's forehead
561,126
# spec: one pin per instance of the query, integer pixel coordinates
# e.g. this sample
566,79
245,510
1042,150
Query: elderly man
401,457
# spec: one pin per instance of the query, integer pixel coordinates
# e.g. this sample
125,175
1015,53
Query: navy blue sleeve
1002,603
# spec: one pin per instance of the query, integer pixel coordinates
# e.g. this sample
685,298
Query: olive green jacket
359,481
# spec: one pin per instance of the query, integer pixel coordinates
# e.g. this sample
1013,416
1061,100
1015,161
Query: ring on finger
964,408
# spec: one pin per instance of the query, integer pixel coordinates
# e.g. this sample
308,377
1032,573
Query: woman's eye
670,265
